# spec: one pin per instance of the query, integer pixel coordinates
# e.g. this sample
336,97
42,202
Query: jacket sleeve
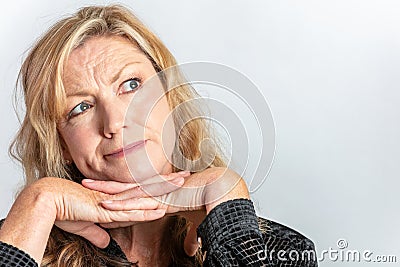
230,235
12,256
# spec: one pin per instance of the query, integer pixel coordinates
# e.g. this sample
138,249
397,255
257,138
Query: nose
112,113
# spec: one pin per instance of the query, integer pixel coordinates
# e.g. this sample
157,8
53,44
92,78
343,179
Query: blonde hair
38,145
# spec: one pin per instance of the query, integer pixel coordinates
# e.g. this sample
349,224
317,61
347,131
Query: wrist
224,187
41,198
29,222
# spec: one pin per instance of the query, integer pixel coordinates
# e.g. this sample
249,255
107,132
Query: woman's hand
157,185
200,193
74,208
201,190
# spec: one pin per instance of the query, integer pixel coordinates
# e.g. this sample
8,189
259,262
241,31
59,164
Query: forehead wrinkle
83,73
115,61
93,64
74,81
78,63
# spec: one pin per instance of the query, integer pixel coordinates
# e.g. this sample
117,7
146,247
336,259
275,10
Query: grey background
330,72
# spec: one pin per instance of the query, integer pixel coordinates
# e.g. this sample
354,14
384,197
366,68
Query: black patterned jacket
231,235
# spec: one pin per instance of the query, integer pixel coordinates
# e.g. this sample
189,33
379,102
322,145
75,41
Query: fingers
156,189
113,225
136,215
108,187
96,235
191,243
131,204
88,230
154,186
166,177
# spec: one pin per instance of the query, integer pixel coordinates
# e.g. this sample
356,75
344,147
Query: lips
127,149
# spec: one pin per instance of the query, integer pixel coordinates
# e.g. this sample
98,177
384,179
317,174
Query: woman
137,199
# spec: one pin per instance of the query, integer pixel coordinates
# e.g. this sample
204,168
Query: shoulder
286,244
278,234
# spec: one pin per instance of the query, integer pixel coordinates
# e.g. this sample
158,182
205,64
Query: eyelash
137,79
70,115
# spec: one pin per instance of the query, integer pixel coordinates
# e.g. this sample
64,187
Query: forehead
101,54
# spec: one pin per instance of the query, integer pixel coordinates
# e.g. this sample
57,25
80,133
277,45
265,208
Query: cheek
161,123
149,111
160,118
80,142
167,130
159,128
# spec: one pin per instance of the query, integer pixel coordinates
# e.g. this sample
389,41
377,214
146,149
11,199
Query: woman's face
103,80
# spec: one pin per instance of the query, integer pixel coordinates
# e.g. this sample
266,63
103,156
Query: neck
145,242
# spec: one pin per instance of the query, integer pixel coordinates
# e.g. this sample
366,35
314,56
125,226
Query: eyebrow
113,79
116,76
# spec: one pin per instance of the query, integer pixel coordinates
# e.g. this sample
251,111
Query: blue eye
130,85
78,109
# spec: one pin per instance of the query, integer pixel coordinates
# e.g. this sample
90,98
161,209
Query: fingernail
183,172
107,201
88,180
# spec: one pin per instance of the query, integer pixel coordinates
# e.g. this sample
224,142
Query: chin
147,163
144,171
